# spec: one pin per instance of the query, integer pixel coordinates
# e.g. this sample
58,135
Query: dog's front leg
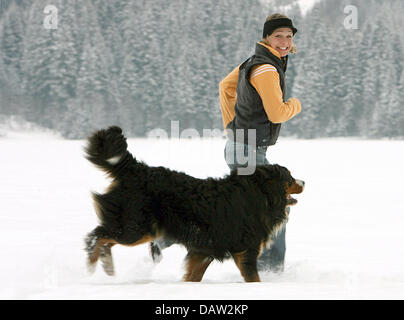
196,265
246,262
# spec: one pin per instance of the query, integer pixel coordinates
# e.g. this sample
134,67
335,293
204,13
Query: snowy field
345,237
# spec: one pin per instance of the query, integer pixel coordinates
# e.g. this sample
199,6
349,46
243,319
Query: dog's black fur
213,218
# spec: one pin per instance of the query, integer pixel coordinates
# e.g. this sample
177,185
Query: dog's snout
300,183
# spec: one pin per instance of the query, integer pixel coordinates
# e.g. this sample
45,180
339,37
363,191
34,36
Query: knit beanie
271,25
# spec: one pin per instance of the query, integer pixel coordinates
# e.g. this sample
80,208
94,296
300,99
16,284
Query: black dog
214,218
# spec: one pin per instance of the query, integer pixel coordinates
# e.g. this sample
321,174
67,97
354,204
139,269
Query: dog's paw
91,266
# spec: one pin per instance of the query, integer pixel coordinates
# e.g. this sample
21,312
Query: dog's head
293,186
279,184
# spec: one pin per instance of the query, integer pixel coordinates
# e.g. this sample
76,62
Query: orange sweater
265,79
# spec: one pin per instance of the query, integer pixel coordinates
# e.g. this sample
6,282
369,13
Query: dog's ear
284,175
268,178
114,129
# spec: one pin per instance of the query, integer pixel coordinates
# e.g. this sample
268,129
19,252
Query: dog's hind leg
246,262
98,245
106,259
196,265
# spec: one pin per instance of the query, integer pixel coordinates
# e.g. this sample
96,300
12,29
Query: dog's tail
107,149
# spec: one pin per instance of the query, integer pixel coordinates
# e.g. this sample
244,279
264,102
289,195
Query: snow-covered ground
344,238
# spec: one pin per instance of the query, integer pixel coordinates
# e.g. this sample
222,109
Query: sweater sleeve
265,79
228,96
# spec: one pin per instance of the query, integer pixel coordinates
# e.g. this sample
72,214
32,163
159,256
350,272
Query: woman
252,98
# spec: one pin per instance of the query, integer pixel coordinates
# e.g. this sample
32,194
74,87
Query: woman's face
281,40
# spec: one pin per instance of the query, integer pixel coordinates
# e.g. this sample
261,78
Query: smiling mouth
290,201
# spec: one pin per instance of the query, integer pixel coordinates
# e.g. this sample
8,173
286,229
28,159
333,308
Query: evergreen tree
309,82
140,64
86,111
12,38
351,108
50,61
382,62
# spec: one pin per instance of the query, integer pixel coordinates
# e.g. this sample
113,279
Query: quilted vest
249,110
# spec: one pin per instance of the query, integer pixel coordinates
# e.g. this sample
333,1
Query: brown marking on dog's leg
144,239
100,248
96,251
246,262
262,247
196,265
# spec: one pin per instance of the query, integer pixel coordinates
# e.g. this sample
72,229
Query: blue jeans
236,154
